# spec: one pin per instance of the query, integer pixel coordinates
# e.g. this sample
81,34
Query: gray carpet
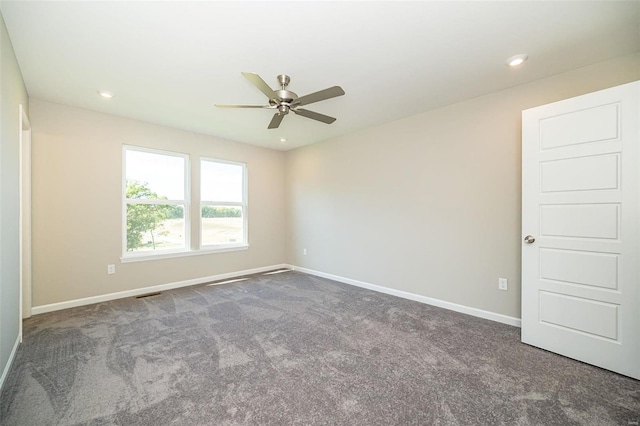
296,349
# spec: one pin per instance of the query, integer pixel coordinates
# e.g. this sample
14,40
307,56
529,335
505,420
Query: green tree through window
143,218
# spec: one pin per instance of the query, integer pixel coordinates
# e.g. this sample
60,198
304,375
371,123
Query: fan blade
314,115
276,120
257,81
243,106
329,93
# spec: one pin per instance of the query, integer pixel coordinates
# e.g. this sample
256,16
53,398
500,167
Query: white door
581,208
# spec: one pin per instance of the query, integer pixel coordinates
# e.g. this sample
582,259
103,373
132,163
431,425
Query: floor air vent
234,280
142,296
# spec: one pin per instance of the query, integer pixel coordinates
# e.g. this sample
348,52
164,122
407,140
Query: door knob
529,239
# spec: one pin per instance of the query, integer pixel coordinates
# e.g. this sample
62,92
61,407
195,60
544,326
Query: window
156,202
157,218
223,204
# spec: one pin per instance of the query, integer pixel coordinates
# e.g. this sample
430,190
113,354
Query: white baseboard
7,367
516,322
168,286
144,290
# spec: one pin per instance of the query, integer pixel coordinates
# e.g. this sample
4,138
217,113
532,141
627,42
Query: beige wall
12,94
429,204
77,181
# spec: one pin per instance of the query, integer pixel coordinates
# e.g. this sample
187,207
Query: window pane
155,227
154,176
221,181
222,225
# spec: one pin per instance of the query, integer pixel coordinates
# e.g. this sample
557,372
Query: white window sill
186,253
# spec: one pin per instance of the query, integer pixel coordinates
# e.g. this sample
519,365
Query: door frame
25,217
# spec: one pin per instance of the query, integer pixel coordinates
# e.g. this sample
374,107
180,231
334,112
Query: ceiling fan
284,100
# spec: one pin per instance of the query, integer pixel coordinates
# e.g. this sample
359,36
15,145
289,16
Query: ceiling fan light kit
284,101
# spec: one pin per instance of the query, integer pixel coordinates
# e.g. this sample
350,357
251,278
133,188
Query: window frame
244,205
186,202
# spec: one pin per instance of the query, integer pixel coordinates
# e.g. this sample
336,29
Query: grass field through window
216,230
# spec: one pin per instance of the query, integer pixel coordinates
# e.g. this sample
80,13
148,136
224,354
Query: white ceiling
170,62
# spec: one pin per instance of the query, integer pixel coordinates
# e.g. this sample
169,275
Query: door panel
583,126
580,200
585,268
587,174
579,220
577,313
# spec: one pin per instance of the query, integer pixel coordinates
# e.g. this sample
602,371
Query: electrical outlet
502,284
304,252
111,269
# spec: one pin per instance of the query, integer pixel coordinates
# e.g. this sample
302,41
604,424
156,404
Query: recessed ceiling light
105,94
283,140
516,60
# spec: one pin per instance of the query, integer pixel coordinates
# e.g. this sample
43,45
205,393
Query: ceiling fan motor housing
285,97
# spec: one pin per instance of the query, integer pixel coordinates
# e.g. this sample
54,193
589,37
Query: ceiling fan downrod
283,80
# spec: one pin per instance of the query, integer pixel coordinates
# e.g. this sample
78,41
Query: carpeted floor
296,349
